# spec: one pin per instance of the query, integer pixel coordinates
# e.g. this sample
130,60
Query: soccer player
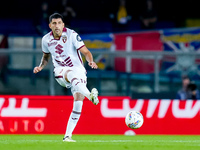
65,46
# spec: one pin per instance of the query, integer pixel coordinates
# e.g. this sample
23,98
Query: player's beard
57,33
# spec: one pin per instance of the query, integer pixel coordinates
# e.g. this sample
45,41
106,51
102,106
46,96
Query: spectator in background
42,19
67,12
121,18
189,90
122,14
149,16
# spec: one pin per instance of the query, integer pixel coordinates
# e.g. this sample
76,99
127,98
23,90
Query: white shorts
60,77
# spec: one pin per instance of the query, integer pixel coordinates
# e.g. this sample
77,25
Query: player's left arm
89,57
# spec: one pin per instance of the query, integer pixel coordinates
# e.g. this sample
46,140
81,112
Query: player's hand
37,69
93,65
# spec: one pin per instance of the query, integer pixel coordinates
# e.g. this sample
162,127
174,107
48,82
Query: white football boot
68,139
94,96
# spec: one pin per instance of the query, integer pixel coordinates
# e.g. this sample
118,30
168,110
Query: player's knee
66,75
69,75
75,78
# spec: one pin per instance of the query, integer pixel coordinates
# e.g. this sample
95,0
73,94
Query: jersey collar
63,33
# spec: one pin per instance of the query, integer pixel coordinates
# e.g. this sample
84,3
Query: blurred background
144,49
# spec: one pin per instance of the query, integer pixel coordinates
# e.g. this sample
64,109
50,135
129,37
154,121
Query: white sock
76,83
74,117
83,90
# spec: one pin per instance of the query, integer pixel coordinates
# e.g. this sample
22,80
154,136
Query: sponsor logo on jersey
51,44
59,49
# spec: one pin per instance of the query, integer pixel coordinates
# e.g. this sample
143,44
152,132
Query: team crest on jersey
64,38
78,38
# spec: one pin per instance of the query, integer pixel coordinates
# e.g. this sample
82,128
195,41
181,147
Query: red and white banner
49,115
137,41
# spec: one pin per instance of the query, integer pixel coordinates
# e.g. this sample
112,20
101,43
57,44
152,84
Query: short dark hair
55,16
185,77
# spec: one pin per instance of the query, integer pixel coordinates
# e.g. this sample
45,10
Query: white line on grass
110,141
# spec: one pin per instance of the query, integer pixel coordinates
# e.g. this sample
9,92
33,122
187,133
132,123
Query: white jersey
64,51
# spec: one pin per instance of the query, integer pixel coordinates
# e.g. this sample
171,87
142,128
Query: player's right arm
43,63
45,57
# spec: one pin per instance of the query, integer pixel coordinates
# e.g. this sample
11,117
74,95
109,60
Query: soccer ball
134,119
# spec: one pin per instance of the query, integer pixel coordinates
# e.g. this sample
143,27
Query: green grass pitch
100,142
